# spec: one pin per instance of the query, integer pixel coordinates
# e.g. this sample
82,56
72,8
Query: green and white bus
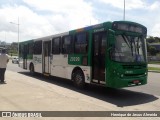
112,54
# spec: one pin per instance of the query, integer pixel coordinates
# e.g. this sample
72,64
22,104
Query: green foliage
151,49
154,62
154,69
152,39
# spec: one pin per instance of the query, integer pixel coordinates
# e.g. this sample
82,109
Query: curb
154,71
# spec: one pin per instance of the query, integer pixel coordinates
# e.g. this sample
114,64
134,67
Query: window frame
87,43
30,48
39,50
71,45
53,45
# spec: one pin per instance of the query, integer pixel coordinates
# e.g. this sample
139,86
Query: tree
152,50
157,39
150,39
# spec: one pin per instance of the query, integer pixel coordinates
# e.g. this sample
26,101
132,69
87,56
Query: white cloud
153,19
155,5
130,4
31,24
155,31
41,18
141,11
60,6
74,13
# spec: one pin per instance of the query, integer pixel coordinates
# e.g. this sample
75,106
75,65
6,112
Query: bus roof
106,25
92,27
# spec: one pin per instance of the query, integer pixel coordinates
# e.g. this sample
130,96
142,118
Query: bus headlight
122,75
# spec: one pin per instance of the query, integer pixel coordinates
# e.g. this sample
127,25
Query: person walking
3,64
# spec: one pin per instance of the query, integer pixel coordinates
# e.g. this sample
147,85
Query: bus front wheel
78,79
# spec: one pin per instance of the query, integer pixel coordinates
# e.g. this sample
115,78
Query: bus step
46,74
98,82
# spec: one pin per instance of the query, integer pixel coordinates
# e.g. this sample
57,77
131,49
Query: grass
154,69
154,62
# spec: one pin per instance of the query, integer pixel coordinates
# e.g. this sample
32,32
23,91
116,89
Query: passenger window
38,47
81,43
67,46
56,45
30,47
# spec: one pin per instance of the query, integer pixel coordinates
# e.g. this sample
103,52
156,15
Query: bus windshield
128,49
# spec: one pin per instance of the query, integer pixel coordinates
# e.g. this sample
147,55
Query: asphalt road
14,67
153,86
25,92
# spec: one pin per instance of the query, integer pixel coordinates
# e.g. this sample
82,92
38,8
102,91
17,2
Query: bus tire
78,79
32,69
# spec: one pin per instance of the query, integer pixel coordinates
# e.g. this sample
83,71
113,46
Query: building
10,47
156,45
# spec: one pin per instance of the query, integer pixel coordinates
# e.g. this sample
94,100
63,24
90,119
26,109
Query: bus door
46,56
99,48
25,50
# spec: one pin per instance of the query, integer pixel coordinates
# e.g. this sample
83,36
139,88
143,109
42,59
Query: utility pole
124,10
17,32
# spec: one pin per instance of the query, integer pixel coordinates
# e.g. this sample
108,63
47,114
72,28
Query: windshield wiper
128,42
138,45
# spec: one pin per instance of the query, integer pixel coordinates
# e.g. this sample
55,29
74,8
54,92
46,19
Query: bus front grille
134,66
134,75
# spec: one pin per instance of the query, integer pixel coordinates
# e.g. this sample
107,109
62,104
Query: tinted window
67,45
81,43
100,43
30,46
38,47
20,50
56,45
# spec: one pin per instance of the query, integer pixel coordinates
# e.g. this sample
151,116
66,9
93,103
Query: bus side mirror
111,38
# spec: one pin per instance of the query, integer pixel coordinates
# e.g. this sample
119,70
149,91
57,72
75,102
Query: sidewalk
23,92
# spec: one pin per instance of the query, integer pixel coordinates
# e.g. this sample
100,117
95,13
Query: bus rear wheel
78,79
32,70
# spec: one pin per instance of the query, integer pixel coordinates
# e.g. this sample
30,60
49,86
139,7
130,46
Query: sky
39,18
